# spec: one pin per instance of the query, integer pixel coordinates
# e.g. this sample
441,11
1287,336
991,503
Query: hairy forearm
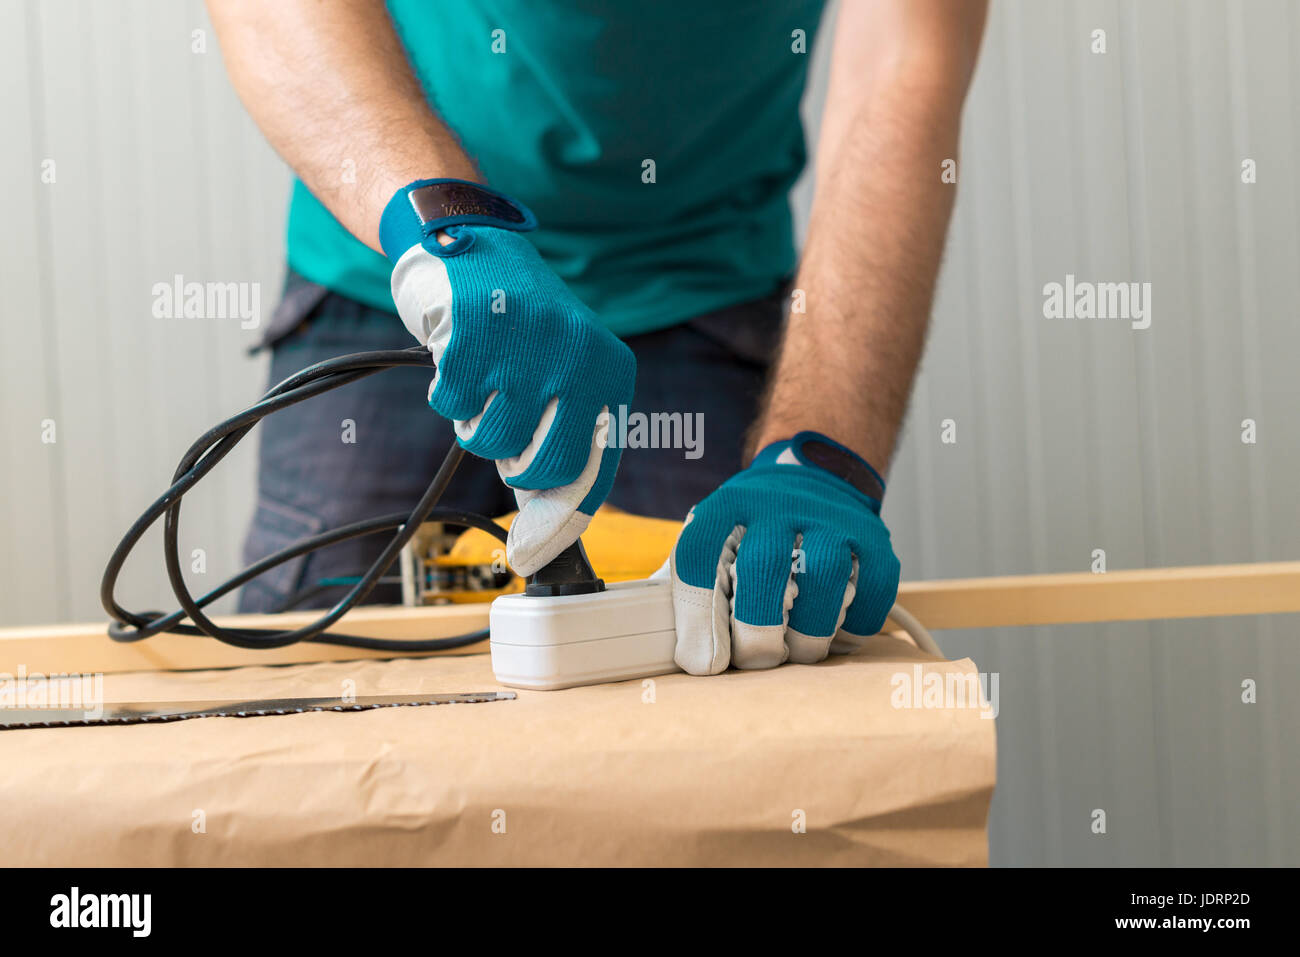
867,278
899,74
331,89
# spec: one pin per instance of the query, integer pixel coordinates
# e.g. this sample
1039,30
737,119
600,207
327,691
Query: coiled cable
210,449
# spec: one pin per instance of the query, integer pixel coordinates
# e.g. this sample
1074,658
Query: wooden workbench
797,765
801,764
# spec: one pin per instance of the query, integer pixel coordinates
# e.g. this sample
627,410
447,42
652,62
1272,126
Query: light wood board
1188,592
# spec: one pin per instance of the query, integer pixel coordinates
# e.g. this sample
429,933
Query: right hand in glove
525,371
738,597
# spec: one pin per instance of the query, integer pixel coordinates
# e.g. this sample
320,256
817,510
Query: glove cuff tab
418,210
815,449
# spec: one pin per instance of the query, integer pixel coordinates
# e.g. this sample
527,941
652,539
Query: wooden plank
1189,592
1200,591
88,649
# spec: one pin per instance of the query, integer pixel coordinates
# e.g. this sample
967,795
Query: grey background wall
1071,435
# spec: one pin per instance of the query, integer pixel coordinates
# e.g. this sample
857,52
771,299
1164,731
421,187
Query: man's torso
566,106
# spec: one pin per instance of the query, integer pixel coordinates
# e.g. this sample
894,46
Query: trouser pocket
298,301
276,525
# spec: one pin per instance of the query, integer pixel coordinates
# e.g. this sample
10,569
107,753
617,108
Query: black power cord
210,449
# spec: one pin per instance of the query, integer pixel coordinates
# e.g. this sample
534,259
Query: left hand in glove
784,557
526,372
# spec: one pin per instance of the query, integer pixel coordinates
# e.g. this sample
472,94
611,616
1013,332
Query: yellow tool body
620,545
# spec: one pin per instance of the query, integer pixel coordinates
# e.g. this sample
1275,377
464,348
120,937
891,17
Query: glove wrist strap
418,210
815,449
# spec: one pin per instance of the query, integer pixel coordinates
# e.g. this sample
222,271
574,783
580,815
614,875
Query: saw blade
150,712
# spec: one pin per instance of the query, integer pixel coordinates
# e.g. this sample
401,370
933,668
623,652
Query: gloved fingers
844,643
702,603
503,429
549,520
460,403
513,465
465,428
822,568
609,460
421,291
560,448
875,585
763,591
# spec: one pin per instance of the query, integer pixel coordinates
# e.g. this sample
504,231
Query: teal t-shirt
561,104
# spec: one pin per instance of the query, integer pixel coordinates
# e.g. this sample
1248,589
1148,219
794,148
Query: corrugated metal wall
1071,435
1082,435
157,172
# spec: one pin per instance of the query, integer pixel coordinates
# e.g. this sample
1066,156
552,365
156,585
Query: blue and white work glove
787,557
526,373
